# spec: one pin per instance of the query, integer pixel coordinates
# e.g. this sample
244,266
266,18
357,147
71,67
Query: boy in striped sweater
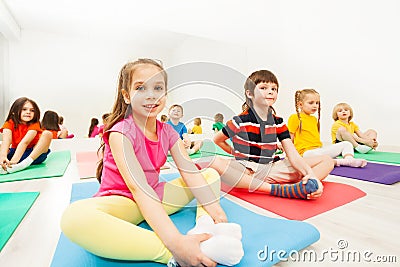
255,134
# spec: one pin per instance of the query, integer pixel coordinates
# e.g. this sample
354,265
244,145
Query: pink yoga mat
87,164
334,195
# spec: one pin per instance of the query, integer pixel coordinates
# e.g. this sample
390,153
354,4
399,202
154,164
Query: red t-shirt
20,132
55,133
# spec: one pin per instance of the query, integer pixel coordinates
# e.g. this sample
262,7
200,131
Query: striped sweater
254,139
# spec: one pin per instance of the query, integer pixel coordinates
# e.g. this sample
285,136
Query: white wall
3,76
75,76
346,50
206,77
348,55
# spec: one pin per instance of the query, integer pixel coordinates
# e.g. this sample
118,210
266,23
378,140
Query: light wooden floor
370,224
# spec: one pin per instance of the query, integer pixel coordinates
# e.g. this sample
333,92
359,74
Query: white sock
351,162
228,229
363,149
222,249
2,171
20,166
225,235
204,224
190,151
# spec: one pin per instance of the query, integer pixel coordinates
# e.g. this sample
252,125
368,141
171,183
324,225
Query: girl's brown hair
299,96
260,76
50,121
120,108
339,106
93,122
16,110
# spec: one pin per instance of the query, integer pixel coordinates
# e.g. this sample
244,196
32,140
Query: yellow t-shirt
197,129
351,127
309,137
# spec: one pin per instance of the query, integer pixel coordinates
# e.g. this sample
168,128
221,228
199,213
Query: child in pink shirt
135,147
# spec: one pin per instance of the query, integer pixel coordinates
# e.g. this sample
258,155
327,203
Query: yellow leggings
107,226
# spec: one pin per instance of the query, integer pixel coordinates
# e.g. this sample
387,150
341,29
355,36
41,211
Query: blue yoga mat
261,236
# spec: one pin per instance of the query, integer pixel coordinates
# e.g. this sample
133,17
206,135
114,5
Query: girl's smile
27,112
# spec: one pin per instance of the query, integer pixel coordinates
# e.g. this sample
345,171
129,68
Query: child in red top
50,123
23,141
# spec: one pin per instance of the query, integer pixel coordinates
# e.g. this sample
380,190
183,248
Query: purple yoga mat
373,172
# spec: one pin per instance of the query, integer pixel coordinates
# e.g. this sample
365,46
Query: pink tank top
151,155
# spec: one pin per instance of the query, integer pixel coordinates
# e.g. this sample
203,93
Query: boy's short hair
176,105
219,117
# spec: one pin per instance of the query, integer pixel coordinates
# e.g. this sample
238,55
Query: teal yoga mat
13,208
380,156
55,165
261,235
209,149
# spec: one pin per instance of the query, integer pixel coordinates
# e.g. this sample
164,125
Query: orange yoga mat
334,195
87,164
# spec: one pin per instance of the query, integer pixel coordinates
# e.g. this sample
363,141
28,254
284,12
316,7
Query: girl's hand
187,251
216,212
4,163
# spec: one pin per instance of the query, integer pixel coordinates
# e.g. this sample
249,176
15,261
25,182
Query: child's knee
328,160
218,164
342,131
47,135
210,174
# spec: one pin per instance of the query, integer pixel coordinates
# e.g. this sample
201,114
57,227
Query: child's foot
20,166
223,249
228,229
205,224
351,162
363,149
190,151
298,190
172,263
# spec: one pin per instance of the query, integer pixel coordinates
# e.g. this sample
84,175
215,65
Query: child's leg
63,134
106,226
371,134
38,154
343,135
177,194
194,147
343,148
331,150
227,235
43,145
237,175
321,165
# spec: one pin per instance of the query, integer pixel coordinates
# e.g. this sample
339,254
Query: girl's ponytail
296,104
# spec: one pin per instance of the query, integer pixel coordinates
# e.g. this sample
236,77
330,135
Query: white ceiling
235,21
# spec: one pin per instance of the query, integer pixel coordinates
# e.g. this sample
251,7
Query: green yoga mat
208,149
55,165
13,207
379,156
211,147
